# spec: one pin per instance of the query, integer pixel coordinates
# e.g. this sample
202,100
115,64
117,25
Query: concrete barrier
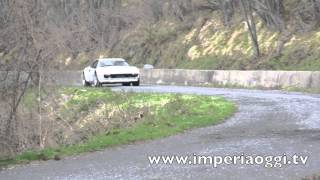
249,79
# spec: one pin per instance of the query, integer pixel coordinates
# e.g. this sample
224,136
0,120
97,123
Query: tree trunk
246,7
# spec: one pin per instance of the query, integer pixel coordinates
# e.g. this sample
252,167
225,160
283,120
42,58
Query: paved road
268,123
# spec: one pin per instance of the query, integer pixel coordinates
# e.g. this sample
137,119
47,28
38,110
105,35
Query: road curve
267,123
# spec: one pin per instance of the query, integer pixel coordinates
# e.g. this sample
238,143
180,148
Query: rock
57,157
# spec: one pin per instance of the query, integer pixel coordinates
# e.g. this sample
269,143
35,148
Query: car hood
118,70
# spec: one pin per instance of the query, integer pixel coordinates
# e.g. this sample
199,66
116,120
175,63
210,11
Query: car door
92,70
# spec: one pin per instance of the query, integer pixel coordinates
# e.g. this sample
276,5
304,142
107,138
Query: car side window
94,64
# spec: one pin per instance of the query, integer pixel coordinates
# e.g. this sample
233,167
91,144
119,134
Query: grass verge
168,114
302,90
283,89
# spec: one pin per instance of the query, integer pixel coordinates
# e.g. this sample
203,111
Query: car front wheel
126,84
96,82
84,82
136,83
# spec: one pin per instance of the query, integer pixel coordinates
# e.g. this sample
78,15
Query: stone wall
262,79
266,79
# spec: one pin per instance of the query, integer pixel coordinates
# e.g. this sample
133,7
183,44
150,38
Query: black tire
136,83
96,82
84,82
126,84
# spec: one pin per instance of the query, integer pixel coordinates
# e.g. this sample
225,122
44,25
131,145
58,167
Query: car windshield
112,63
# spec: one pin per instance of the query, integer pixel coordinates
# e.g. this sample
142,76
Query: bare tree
270,12
16,79
306,15
226,7
24,69
247,10
180,8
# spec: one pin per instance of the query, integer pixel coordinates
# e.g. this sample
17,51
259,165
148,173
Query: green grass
284,89
303,90
170,114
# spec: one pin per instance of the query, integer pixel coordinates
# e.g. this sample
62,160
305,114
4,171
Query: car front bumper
118,80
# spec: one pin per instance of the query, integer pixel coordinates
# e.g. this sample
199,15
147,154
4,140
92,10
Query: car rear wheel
84,82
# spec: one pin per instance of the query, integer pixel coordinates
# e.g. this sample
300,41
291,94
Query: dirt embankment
195,34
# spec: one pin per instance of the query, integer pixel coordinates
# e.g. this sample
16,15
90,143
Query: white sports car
110,71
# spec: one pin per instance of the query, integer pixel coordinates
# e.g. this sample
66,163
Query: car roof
111,59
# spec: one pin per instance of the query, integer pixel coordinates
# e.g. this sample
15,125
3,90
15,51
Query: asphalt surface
267,123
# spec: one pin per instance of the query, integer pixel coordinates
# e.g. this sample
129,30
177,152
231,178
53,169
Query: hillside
193,34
